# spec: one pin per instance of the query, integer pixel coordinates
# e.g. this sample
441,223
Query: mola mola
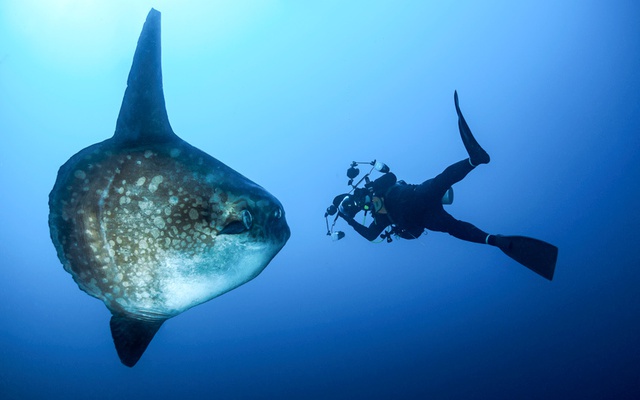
151,225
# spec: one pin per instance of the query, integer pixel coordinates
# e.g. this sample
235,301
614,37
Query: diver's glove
346,217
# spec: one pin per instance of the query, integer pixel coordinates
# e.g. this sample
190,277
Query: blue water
289,95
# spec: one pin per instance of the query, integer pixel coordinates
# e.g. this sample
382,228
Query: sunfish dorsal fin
132,336
143,115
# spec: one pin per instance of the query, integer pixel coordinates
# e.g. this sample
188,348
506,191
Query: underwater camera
356,199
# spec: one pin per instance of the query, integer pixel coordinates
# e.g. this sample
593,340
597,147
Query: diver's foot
477,155
501,242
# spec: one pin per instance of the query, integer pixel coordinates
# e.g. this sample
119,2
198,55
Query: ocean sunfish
151,225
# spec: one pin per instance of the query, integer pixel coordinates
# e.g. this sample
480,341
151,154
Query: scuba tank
447,199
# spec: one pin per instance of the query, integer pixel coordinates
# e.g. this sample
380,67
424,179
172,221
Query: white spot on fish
159,222
148,154
155,181
141,181
146,206
174,153
193,213
80,174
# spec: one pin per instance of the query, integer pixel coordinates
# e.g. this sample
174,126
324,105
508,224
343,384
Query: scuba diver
406,210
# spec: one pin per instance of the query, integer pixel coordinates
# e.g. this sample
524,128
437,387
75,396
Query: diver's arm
373,231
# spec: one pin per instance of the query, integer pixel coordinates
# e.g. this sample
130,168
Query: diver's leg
452,174
534,254
441,221
477,155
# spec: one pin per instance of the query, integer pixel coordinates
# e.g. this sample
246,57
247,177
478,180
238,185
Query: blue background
288,94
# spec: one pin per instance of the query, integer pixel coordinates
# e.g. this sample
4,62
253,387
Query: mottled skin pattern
140,228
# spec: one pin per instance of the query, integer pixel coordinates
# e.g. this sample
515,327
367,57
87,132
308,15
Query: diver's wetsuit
412,208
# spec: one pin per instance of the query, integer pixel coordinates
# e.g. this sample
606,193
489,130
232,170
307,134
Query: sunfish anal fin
143,116
132,336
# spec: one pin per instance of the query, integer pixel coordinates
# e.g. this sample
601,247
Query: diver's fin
477,155
538,256
132,336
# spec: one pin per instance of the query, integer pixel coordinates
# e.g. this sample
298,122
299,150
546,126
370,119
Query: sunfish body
151,225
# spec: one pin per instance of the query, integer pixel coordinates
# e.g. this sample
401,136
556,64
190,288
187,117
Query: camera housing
349,204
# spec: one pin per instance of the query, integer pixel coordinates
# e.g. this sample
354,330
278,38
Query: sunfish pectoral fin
132,336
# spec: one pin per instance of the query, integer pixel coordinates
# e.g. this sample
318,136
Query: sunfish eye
236,227
247,219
